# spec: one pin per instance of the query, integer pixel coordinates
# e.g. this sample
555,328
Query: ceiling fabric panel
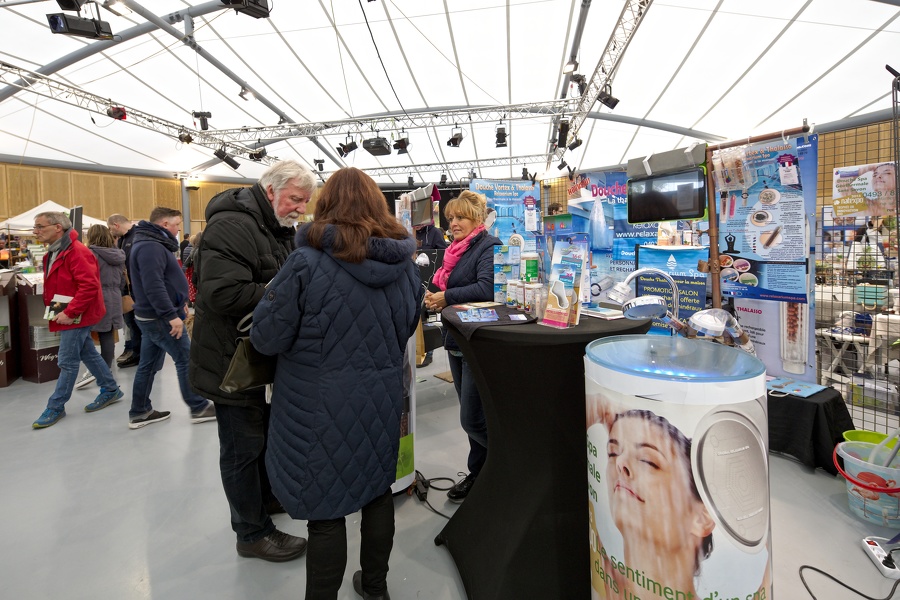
730,68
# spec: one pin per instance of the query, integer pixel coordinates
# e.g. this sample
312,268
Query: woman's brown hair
351,201
99,235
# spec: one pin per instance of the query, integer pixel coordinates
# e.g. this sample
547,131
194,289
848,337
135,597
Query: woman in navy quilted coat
338,315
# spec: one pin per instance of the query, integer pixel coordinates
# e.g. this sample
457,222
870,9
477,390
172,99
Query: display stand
406,464
9,355
39,364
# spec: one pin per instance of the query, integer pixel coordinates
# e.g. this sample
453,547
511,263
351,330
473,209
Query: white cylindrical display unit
678,479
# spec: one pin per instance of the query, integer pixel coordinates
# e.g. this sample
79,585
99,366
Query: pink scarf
451,257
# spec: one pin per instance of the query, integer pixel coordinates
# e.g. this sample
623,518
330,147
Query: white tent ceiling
727,68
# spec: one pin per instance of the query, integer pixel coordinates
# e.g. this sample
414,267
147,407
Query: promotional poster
865,191
780,332
517,204
680,263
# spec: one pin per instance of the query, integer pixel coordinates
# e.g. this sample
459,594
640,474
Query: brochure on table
570,256
764,230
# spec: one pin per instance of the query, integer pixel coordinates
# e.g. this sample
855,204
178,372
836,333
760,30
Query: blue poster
599,197
517,204
680,263
764,229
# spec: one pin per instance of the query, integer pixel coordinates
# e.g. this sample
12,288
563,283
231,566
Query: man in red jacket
72,284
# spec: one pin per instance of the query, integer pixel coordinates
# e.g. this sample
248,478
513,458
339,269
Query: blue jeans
76,347
471,412
243,433
156,342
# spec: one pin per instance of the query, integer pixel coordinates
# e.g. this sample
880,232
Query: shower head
645,307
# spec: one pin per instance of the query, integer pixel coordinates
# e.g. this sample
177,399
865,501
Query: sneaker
85,381
462,488
207,414
124,356
49,417
154,417
104,399
131,361
357,587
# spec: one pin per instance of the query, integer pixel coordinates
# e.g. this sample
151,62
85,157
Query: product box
869,393
506,273
507,255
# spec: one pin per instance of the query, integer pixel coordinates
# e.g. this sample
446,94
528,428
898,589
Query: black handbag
248,368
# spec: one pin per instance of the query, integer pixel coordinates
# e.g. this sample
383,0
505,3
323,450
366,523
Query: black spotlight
563,132
227,158
606,98
443,179
525,175
455,138
258,155
320,163
79,26
401,145
580,82
575,144
473,174
116,112
501,136
346,148
203,116
71,4
185,138
410,181
562,164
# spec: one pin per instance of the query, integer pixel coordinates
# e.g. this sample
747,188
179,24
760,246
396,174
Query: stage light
258,155
455,138
410,181
377,146
501,136
563,134
572,171
79,27
246,94
347,147
575,144
185,138
116,112
443,179
525,175
606,98
203,116
71,4
580,82
258,9
571,66
320,164
473,174
227,158
402,144
562,164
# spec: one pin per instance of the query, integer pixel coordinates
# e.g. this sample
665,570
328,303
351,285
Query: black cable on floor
836,580
420,488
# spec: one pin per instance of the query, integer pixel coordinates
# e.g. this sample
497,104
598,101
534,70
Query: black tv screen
669,197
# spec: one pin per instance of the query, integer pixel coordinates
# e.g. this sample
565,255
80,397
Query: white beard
288,221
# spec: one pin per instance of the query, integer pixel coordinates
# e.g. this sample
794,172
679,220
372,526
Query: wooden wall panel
4,195
87,191
167,192
116,195
23,184
56,185
142,199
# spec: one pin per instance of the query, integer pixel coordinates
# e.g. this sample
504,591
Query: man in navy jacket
160,292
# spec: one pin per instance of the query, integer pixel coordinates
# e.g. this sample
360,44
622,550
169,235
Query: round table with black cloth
522,532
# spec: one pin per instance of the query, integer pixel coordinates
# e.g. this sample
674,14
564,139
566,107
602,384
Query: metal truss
632,14
449,166
50,88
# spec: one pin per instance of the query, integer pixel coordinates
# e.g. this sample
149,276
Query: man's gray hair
279,174
56,218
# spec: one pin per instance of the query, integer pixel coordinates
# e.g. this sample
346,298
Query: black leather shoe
275,547
124,356
357,587
462,488
131,361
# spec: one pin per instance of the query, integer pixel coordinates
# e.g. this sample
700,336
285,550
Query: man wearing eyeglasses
71,272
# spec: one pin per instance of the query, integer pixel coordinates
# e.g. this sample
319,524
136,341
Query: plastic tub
872,437
872,490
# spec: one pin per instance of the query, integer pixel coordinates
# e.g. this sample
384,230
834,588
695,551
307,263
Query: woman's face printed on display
883,179
648,482
460,226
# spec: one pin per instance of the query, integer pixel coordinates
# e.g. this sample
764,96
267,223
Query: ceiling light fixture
227,158
572,171
116,112
443,179
575,144
455,138
473,174
258,155
116,7
79,26
320,164
606,98
563,134
402,143
346,148
377,146
562,164
501,135
185,138
71,4
571,66
203,116
246,94
525,175
580,82
410,181
258,9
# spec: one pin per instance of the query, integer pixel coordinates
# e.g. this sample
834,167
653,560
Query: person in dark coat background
249,234
466,275
339,315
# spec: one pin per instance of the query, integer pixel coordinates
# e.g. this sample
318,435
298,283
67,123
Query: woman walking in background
339,315
111,261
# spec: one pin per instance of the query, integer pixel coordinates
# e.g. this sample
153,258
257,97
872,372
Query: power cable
838,581
420,487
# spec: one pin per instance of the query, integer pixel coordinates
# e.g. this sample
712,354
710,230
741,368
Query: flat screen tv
669,197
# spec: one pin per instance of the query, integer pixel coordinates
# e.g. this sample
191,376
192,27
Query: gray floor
91,509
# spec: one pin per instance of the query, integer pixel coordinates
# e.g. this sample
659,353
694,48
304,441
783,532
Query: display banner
517,206
864,191
764,230
680,262
597,196
678,494
781,334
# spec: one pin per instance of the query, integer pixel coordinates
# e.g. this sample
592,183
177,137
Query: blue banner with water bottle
680,263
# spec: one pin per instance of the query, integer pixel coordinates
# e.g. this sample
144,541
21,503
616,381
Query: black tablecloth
523,530
809,428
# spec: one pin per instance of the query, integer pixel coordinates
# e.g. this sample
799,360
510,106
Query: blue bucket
872,490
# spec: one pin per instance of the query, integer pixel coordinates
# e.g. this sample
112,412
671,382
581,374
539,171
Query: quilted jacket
340,331
112,275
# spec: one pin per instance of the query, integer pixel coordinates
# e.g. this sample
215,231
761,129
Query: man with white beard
248,236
